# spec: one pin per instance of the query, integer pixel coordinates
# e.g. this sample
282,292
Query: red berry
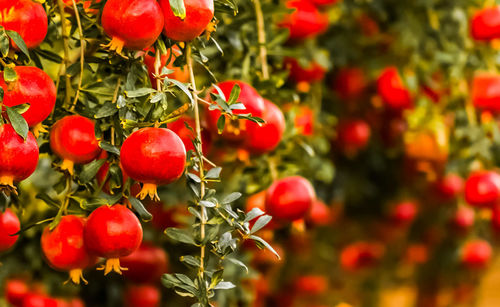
449,186
187,135
310,285
311,73
485,24
146,264
361,255
153,156
73,139
15,291
179,73
404,212
305,22
482,189
199,13
290,198
463,219
39,300
64,247
320,214
476,254
142,296
486,92
19,157
266,138
27,18
353,135
349,83
112,232
393,91
134,24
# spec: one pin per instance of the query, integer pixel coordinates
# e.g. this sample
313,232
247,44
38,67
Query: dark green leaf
263,244
18,122
9,74
140,209
180,235
90,170
18,40
109,148
178,8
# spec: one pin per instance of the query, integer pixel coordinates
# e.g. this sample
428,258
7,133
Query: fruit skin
353,135
179,73
323,2
404,212
34,87
134,24
39,300
153,156
310,285
303,120
27,18
146,264
19,158
290,198
165,217
112,232
485,24
482,189
392,90
15,291
360,255
349,83
449,187
313,72
64,247
486,92
305,22
265,138
476,254
142,296
188,135
463,219
320,214
199,14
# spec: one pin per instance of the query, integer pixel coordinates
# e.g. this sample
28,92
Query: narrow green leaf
90,170
179,235
255,212
140,209
178,8
9,74
263,244
109,148
235,94
18,40
224,285
231,198
18,122
261,223
213,173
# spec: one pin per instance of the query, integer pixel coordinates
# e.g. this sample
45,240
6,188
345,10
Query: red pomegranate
304,120
290,198
15,291
19,157
393,91
64,247
312,72
73,139
486,92
404,212
353,135
360,255
236,129
476,254
323,2
168,216
26,17
34,87
39,300
112,232
146,264
142,296
305,22
310,285
482,189
463,219
320,214
258,200
349,83
265,138
449,187
485,24
179,73
153,156
495,219
134,24
199,13
187,135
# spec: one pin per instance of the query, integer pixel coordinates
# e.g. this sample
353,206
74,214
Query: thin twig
261,34
83,44
64,30
157,69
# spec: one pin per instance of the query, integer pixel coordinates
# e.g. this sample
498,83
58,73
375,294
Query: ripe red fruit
179,73
486,92
305,22
142,296
34,87
134,24
266,138
199,13
112,232
319,214
349,83
476,254
15,291
304,120
236,130
9,225
310,285
64,247
311,73
463,219
485,24
153,156
168,216
482,189
187,135
73,139
146,264
27,18
19,157
353,135
393,91
404,212
361,255
323,2
290,198
39,300
449,187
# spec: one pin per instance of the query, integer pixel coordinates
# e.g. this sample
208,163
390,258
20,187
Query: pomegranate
39,300
311,73
304,120
353,135
134,24
146,264
485,24
34,87
64,247
482,189
142,296
323,2
179,73
9,225
73,139
463,219
305,22
404,212
290,198
393,91
26,17
15,291
258,200
187,135
112,232
349,83
19,157
449,187
486,92
476,254
199,14
168,216
266,138
310,285
360,255
320,214
153,156
416,254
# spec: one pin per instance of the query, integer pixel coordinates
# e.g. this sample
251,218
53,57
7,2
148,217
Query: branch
261,33
83,44
60,4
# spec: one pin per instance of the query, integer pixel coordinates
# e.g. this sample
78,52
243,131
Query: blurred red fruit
349,83
353,135
393,91
146,264
290,198
476,254
482,189
305,22
485,24
486,92
463,219
361,255
449,187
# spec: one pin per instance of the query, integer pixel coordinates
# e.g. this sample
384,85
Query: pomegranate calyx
68,166
148,189
116,44
112,264
75,276
37,129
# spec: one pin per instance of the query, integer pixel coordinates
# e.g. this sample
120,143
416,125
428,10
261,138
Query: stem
261,33
82,55
157,69
60,4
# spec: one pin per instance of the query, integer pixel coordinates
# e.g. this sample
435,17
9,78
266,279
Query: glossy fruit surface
146,264
15,291
482,189
134,24
34,87
19,157
26,17
290,198
349,83
312,72
9,225
305,22
199,13
180,74
142,296
476,254
265,138
393,91
187,135
486,92
153,156
485,24
39,300
353,135
449,186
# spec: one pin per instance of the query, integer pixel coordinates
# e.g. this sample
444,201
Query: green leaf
179,235
140,92
4,44
183,88
107,110
18,40
224,285
255,212
216,278
18,122
178,8
231,198
235,94
213,173
9,74
194,177
140,209
207,204
221,123
90,170
261,223
237,262
263,244
109,148
190,260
